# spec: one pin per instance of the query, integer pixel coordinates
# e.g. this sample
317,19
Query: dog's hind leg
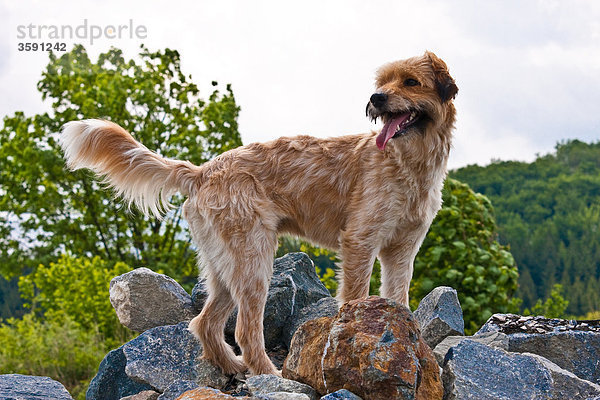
249,289
209,326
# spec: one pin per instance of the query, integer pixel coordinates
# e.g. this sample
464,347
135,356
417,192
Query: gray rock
267,384
440,315
576,350
475,371
282,396
493,339
294,285
26,387
325,307
111,382
145,395
342,394
144,299
178,388
163,355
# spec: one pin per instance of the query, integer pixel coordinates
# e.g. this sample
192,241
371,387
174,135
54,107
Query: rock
282,396
206,393
572,345
439,315
27,387
144,299
145,395
372,348
325,307
266,384
294,285
341,395
111,382
511,323
475,371
163,355
493,339
177,388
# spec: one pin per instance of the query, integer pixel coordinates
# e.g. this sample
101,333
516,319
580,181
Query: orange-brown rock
207,394
372,348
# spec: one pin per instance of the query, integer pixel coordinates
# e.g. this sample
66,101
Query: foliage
60,349
554,306
78,288
55,211
549,212
461,251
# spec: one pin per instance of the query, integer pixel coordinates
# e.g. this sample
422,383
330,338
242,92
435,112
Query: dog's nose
378,99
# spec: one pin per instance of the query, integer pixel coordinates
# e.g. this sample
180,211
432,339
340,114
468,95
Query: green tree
554,306
461,251
56,211
549,212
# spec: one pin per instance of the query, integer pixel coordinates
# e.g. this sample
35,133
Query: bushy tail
137,174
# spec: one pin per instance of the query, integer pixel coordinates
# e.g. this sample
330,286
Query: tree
554,306
461,251
549,212
56,211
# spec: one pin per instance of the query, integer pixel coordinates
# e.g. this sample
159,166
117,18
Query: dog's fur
342,193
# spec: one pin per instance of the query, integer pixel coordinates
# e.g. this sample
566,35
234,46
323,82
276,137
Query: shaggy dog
366,196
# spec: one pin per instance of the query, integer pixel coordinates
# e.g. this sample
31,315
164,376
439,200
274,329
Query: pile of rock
370,349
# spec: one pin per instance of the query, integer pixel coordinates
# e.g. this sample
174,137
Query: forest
548,213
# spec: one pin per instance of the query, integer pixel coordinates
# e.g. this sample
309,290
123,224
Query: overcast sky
528,71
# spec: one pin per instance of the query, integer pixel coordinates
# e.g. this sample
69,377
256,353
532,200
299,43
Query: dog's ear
444,83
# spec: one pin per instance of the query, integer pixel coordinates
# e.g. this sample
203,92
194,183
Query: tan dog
366,196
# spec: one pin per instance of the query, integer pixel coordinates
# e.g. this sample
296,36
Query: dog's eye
411,82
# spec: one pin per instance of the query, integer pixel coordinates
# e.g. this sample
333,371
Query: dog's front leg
358,255
397,265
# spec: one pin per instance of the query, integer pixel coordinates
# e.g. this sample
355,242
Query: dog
365,196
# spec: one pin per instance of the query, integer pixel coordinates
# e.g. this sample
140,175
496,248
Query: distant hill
548,211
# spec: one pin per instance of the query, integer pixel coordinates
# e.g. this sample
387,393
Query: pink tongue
389,129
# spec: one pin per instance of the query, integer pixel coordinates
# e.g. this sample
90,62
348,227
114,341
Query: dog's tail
137,174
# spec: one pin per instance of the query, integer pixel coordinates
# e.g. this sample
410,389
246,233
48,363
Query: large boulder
372,348
473,370
572,345
26,387
163,355
440,315
144,299
111,381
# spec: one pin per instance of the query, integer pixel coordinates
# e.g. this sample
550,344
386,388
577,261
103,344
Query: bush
77,287
60,349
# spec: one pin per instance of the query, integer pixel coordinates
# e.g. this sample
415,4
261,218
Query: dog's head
412,96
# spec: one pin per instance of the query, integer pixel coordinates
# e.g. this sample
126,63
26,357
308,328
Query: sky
528,72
